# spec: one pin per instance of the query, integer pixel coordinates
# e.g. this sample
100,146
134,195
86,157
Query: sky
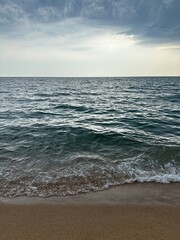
81,38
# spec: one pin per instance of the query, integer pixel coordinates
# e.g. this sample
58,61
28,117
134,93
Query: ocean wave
63,136
84,174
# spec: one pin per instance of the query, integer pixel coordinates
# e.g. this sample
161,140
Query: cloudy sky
89,37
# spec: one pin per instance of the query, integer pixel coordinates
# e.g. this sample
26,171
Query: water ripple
62,136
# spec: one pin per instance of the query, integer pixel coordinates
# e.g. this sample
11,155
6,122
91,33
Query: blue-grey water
62,136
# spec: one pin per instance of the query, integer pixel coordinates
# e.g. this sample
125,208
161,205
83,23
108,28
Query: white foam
161,178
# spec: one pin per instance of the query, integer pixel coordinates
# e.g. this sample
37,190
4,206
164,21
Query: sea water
63,136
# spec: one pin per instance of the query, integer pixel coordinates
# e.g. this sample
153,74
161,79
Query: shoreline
134,194
140,211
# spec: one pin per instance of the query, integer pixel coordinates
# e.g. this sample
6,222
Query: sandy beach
134,211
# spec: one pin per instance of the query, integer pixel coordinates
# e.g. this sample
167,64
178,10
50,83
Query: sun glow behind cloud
78,46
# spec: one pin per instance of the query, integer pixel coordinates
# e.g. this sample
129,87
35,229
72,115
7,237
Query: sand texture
111,219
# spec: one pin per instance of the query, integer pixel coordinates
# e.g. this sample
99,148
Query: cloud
10,12
156,20
89,37
168,2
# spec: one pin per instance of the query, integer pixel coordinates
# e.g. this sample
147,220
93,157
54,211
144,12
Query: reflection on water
63,136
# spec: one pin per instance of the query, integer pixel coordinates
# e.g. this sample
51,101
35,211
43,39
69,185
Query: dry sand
129,212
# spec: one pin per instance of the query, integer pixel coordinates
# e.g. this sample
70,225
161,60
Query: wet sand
135,211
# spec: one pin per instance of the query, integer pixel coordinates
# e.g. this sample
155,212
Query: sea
66,136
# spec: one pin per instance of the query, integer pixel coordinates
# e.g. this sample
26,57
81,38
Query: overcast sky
89,37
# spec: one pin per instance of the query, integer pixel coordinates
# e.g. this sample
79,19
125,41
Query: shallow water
61,136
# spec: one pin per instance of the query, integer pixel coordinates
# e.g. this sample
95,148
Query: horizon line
140,76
